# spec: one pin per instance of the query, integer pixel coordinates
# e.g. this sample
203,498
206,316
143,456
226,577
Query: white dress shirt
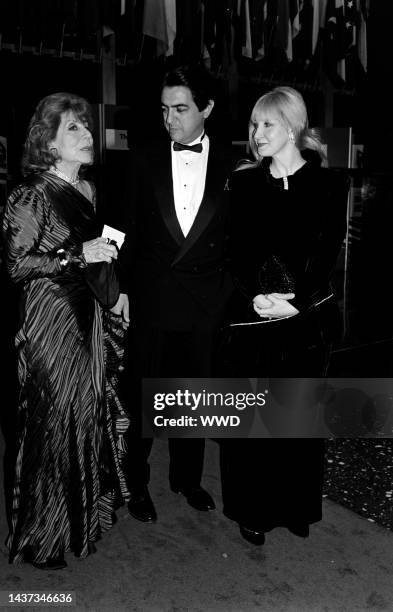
189,177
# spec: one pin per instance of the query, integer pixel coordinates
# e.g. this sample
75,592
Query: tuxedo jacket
174,282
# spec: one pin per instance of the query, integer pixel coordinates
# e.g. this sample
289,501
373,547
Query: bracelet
63,257
74,256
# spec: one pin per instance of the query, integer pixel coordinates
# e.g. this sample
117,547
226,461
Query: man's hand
122,309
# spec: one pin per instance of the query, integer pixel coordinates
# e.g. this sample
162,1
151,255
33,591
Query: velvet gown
271,482
68,471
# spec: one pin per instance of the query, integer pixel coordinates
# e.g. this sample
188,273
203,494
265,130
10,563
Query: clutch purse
102,280
274,277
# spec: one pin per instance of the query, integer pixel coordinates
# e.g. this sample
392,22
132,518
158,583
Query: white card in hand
113,234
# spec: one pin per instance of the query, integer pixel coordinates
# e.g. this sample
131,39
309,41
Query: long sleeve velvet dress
68,474
278,482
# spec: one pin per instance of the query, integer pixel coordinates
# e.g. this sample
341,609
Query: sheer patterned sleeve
25,220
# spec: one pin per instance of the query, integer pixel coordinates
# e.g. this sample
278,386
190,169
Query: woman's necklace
63,176
276,174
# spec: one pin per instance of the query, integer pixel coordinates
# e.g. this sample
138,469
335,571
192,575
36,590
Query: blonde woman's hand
99,250
274,305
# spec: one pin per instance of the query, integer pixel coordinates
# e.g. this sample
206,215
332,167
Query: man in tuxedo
173,269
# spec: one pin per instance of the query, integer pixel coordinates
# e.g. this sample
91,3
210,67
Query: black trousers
162,353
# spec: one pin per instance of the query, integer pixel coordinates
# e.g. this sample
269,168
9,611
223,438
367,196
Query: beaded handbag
274,277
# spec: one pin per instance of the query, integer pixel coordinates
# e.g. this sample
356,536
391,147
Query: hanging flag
252,15
362,33
335,39
302,45
350,18
319,16
247,47
288,25
261,50
283,38
159,21
341,38
294,16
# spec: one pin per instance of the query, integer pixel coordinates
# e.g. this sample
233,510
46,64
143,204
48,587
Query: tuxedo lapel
214,188
163,187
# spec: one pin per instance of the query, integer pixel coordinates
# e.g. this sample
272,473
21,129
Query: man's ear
208,109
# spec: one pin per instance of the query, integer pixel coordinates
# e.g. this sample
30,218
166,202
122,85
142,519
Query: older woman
67,471
288,224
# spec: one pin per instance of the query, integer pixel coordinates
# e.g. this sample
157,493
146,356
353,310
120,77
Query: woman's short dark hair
37,154
198,80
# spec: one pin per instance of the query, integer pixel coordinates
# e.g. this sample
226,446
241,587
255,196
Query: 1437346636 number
41,597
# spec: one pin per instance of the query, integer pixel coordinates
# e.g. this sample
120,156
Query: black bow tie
178,146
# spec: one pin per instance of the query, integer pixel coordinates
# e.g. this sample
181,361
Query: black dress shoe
255,537
52,563
141,506
196,497
91,548
300,529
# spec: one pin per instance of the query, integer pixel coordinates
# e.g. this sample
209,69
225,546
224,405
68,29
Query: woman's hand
274,305
98,250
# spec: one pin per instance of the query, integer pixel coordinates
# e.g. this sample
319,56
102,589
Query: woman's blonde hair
288,104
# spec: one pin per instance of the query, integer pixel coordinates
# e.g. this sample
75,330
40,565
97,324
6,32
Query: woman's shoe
52,563
255,537
300,529
91,547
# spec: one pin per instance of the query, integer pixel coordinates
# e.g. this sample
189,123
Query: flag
252,17
302,44
346,40
159,21
294,16
335,38
341,38
243,11
261,51
319,14
350,18
362,33
288,25
283,38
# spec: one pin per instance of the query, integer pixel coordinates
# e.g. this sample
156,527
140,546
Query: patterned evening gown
68,476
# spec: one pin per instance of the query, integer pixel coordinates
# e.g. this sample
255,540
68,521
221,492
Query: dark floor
359,476
196,562
359,472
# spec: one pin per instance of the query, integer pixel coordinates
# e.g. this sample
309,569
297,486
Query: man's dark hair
198,80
